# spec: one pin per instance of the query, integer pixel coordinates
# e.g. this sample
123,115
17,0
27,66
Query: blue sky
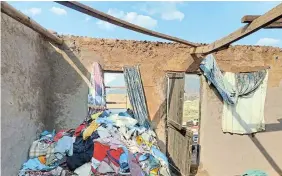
202,22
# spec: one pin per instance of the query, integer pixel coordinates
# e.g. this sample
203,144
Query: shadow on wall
69,86
260,147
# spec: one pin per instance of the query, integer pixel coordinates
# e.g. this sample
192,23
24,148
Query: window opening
116,94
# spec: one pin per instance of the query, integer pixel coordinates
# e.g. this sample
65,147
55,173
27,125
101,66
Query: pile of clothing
103,144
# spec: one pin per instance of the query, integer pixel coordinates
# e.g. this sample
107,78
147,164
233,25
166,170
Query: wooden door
179,140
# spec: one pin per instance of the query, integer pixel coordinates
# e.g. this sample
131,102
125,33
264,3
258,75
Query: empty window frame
116,93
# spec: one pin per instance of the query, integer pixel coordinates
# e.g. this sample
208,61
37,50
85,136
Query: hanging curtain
96,93
246,83
214,75
136,94
247,116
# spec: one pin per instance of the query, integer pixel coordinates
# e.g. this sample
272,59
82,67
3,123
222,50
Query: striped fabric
96,94
136,94
41,148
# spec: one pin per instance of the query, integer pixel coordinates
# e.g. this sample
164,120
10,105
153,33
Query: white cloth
103,132
247,116
84,170
123,121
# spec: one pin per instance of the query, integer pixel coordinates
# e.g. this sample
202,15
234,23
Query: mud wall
25,78
226,154
155,59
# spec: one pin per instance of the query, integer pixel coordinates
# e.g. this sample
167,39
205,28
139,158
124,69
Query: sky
201,22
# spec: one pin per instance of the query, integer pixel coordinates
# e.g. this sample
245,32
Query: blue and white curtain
136,94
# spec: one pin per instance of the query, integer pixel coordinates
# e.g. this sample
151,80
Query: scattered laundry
103,144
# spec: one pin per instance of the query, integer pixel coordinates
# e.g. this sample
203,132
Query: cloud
268,42
105,25
141,20
87,18
166,10
108,26
58,11
33,11
132,17
174,15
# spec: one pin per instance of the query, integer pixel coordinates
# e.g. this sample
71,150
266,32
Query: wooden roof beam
249,18
258,23
22,18
110,19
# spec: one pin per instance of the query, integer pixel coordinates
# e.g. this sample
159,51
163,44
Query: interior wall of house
226,154
25,79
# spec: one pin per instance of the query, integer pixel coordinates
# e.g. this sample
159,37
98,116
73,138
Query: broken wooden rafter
110,19
22,18
251,18
258,23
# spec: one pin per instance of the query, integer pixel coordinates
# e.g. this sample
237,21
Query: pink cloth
97,89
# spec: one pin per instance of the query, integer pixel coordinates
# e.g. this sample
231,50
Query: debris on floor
103,144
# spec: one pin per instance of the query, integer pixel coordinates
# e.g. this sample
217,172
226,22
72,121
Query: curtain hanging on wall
247,116
136,94
246,83
214,75
96,93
